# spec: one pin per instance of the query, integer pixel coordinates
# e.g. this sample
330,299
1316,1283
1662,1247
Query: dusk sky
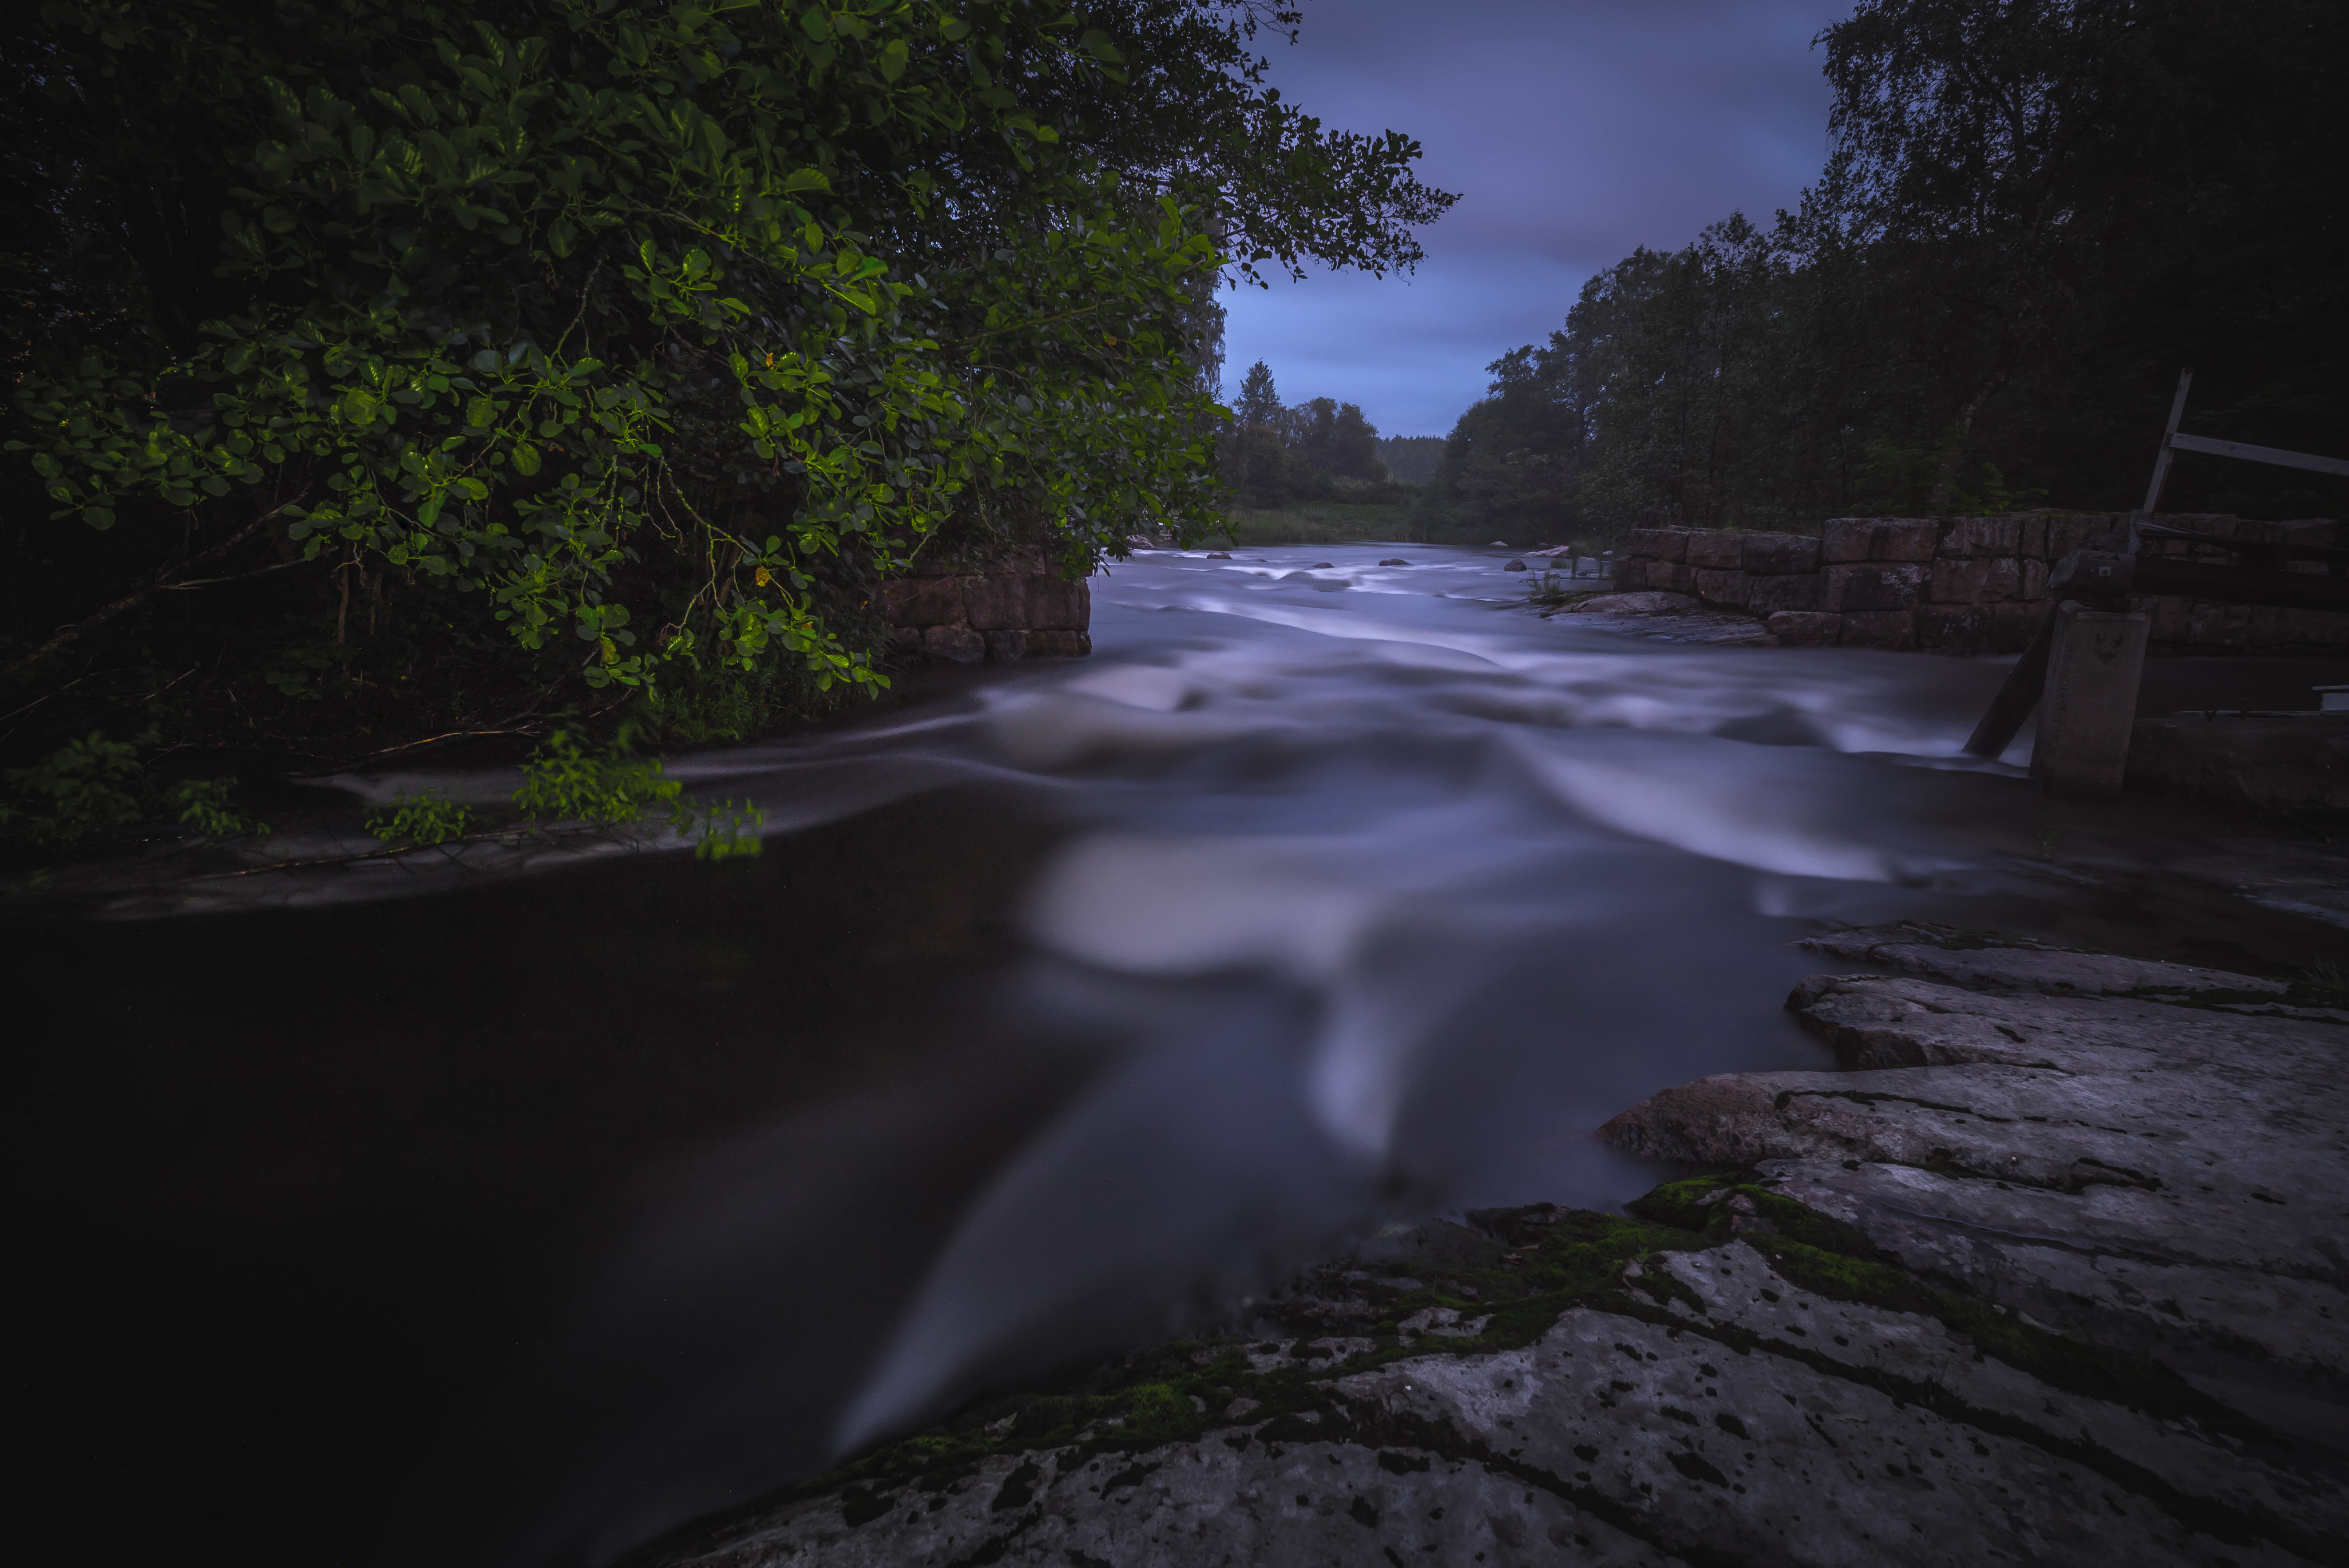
1574,130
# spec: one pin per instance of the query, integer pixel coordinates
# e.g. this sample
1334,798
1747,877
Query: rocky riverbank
2054,1270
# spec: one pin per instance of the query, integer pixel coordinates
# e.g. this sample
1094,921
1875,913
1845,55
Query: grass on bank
1314,522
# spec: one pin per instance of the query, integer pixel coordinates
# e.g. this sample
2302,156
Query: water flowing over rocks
2053,1271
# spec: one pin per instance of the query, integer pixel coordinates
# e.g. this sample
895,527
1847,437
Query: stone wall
949,613
1954,584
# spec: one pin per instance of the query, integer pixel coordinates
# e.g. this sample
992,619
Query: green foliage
1410,459
1259,400
724,831
1552,591
1276,456
85,788
566,781
563,781
2032,215
2326,983
419,819
203,805
614,342
404,411
1509,466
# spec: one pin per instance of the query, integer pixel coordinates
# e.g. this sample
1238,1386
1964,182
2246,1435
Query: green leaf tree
643,337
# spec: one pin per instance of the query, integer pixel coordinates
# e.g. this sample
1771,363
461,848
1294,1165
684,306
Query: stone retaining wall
1954,584
951,614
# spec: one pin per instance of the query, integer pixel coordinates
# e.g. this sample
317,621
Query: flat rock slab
1989,962
2053,1273
2165,1177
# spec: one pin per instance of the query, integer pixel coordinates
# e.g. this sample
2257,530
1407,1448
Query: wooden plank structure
2081,669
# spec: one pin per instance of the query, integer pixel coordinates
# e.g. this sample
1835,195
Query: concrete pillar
2090,701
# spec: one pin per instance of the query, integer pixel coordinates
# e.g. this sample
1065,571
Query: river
518,1218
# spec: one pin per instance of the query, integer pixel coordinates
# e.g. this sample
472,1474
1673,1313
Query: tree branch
139,596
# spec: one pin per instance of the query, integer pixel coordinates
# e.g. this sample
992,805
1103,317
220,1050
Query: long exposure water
518,1218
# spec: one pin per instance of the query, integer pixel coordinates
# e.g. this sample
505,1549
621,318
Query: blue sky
1574,132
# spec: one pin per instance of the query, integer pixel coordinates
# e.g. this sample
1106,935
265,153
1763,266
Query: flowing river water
519,1218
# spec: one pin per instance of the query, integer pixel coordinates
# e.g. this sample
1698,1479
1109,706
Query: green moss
1830,1260
1565,1259
1159,1412
1681,1203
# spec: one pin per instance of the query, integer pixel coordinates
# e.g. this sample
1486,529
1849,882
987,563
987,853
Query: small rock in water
1320,566
1394,561
1647,604
1500,544
1220,555
1514,566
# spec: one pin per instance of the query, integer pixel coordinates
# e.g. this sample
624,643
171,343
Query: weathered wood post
2095,662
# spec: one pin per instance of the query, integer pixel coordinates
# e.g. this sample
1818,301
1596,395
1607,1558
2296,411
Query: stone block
2071,530
1952,628
1843,539
2209,626
1888,587
2007,628
1005,647
1657,543
1806,628
1854,538
1779,554
1711,549
2168,616
1771,595
2327,629
2032,579
1671,577
2321,532
923,602
1976,581
2090,703
2270,762
954,646
1880,629
1059,606
1722,590
1058,645
1980,538
2217,524
1631,574
2030,536
998,601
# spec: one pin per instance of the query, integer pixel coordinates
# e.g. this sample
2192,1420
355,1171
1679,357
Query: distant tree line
2035,212
1321,449
1410,459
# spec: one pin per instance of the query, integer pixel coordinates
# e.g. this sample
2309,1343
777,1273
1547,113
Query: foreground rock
2164,1179
2046,1278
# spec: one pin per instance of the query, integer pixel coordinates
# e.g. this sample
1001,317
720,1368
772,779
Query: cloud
1574,133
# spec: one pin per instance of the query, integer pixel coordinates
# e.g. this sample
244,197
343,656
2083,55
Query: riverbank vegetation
2032,216
1340,521
387,376
1309,474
